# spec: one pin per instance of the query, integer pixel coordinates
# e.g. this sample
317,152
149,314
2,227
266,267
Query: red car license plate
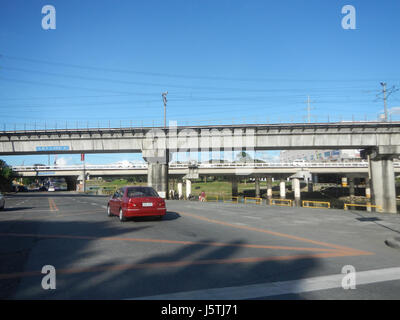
147,204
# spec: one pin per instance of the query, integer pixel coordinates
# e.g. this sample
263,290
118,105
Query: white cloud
63,161
269,156
394,110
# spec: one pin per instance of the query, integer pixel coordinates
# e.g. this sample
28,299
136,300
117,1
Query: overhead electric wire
188,101
128,82
177,105
171,75
73,87
162,85
66,97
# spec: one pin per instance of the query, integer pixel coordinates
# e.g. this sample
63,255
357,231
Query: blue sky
224,61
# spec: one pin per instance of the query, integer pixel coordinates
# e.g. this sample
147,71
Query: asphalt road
198,251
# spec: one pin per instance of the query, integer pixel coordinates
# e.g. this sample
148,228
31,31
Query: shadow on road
370,217
170,215
56,194
90,268
7,209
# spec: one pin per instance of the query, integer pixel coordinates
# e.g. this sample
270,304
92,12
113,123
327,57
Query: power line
65,97
152,84
170,75
178,105
73,87
139,83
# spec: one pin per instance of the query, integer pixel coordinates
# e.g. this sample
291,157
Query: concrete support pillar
71,183
180,190
310,185
383,184
269,188
157,170
368,192
157,177
351,187
234,187
84,179
80,186
282,189
188,188
296,186
367,188
315,178
257,186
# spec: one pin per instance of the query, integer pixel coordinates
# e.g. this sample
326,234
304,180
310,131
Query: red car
134,201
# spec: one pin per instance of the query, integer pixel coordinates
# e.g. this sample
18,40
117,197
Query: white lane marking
252,217
104,207
94,204
279,288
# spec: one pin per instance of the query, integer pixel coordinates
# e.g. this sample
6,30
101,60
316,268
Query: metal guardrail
212,199
379,208
231,199
315,204
138,166
82,124
284,165
77,167
253,200
281,202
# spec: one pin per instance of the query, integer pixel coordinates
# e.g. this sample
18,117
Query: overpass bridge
203,169
379,140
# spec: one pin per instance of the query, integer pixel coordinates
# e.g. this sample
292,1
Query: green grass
116,183
214,188
222,188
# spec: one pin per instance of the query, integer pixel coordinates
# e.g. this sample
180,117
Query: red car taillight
132,203
161,203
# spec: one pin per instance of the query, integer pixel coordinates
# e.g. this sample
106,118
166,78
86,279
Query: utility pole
308,109
164,96
84,172
386,94
165,166
383,84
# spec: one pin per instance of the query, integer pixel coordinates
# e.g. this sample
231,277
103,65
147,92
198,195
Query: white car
2,202
51,189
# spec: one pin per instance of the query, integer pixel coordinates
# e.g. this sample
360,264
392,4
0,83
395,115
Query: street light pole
164,96
165,166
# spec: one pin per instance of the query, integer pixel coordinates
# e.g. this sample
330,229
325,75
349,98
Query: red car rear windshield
140,192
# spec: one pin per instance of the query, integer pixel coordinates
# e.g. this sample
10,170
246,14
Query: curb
393,242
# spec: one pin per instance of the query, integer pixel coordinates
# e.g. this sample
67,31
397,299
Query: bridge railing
138,166
78,167
84,124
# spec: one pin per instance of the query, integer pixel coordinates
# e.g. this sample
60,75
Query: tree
243,156
6,176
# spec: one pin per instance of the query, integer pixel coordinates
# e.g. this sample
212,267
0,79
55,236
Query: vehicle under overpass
379,140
